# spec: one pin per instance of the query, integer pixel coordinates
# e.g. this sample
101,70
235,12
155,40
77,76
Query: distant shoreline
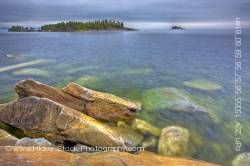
75,26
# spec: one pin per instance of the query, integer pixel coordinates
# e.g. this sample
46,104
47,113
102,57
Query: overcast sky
131,11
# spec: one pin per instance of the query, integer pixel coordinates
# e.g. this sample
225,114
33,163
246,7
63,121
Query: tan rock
173,141
40,117
103,105
58,158
98,105
145,127
7,139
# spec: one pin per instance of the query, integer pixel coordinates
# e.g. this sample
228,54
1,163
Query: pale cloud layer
158,11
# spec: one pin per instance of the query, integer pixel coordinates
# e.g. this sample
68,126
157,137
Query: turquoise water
131,65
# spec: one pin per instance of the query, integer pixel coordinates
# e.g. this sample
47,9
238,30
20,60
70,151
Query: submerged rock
145,127
98,105
31,72
122,124
150,143
34,142
40,117
130,137
12,56
7,139
103,106
202,85
171,106
169,98
242,159
20,65
173,141
59,158
89,81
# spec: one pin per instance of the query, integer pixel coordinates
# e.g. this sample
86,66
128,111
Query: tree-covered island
74,26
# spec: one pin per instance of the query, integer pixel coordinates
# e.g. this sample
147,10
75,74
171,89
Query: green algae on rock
31,72
173,141
202,85
169,98
145,127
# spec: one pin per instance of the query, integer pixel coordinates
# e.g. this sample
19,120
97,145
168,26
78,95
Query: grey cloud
127,10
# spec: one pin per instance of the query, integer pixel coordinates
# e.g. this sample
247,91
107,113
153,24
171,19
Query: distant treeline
21,29
74,26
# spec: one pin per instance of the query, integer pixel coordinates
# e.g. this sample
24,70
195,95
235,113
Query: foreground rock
40,117
6,139
173,141
34,142
59,158
145,127
242,159
98,105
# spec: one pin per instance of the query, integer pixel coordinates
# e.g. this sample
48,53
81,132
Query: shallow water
130,63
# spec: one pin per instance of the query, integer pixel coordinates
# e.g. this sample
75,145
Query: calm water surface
129,63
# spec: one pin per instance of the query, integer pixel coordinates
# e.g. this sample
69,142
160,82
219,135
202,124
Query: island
175,27
75,26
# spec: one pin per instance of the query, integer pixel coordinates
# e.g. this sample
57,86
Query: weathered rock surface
242,159
98,105
173,141
7,139
103,105
59,158
145,127
34,142
40,117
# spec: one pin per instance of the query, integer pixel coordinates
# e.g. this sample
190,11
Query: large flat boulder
104,105
101,106
40,117
11,156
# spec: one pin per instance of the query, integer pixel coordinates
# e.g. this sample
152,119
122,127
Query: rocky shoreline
75,116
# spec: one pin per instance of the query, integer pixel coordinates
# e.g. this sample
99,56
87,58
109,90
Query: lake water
129,64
